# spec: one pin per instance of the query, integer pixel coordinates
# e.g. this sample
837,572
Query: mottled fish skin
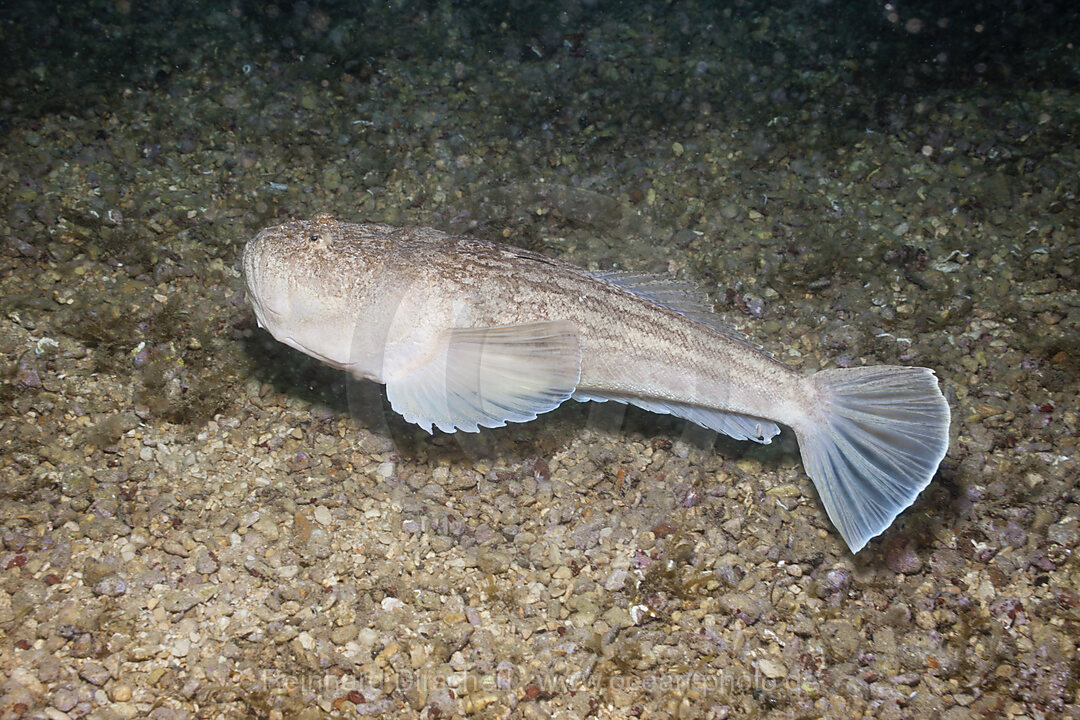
388,304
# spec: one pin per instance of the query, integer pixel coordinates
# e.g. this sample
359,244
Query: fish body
467,334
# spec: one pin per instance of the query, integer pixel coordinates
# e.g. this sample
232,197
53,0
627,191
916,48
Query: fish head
301,280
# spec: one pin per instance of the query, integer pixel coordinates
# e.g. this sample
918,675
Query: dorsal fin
678,295
682,297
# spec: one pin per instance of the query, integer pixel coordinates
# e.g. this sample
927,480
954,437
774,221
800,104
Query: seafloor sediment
197,521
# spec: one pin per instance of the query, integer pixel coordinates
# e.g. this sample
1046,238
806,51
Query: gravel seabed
198,522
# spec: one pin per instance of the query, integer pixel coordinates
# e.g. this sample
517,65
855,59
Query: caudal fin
871,440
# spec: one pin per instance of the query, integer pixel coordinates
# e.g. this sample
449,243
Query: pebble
729,211
616,580
205,563
26,373
174,548
771,669
94,673
901,554
322,515
64,699
1065,533
343,634
178,601
110,586
25,678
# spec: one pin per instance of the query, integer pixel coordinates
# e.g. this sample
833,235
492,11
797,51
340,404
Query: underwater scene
509,359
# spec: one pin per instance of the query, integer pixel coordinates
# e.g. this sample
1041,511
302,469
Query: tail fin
871,441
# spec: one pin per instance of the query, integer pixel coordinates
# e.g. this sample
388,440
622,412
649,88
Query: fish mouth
263,312
253,280
269,309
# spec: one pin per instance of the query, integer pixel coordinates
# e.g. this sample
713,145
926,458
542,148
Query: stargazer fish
466,334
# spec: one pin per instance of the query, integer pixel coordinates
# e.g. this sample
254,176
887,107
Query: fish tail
871,439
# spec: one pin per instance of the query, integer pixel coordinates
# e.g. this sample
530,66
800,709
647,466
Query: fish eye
314,238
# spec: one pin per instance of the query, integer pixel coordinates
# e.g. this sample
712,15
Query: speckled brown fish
467,334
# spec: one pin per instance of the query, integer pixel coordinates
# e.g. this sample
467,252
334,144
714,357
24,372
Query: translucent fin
740,427
682,297
487,377
871,442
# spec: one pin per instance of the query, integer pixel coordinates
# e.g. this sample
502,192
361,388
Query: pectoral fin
487,377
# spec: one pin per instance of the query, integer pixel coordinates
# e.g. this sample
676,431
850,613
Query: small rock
745,607
65,699
322,515
300,462
28,680
174,548
319,543
183,600
616,580
16,698
1065,533
841,640
94,673
84,646
95,570
729,210
343,634
120,693
901,554
26,373
110,586
617,618
179,601
442,700
268,527
205,564
771,669
257,567
494,562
